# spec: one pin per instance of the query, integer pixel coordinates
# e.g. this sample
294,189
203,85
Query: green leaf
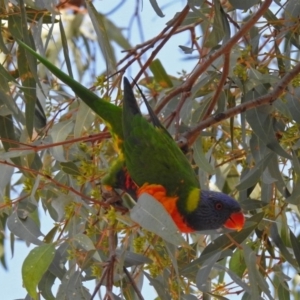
70,168
223,244
65,48
200,159
160,74
59,133
251,204
221,29
296,247
283,292
186,50
116,35
35,265
84,242
234,276
276,173
262,124
27,230
29,89
7,132
71,287
189,297
293,105
84,119
49,237
57,206
156,8
132,259
279,243
257,281
57,267
250,259
204,271
294,198
195,5
15,26
46,284
215,296
237,263
158,284
292,12
5,179
252,177
98,21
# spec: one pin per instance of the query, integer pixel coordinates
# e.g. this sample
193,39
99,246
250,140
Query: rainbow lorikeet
150,161
158,167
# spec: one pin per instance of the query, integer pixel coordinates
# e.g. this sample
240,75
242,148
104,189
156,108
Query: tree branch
231,112
187,85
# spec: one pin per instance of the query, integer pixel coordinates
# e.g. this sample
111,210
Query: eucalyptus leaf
233,274
85,117
283,291
296,247
203,273
85,243
280,244
189,297
71,287
223,241
35,265
98,21
46,284
156,8
250,259
133,259
293,104
200,159
59,133
151,215
26,229
252,177
29,89
159,287
6,174
262,125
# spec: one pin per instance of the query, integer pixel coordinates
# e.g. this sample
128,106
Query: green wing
151,155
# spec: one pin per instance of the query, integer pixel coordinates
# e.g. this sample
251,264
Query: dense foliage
236,114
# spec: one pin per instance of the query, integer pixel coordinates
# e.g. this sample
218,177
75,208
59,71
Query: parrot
158,167
150,161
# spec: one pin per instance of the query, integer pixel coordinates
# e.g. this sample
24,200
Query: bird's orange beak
236,221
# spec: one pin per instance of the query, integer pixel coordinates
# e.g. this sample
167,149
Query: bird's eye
218,206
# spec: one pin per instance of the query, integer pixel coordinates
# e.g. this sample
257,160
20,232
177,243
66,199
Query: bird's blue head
216,210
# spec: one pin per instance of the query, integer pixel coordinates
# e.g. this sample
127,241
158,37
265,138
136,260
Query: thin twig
176,24
138,292
219,90
97,287
234,242
57,183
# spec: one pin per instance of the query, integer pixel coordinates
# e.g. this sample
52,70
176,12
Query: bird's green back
151,155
